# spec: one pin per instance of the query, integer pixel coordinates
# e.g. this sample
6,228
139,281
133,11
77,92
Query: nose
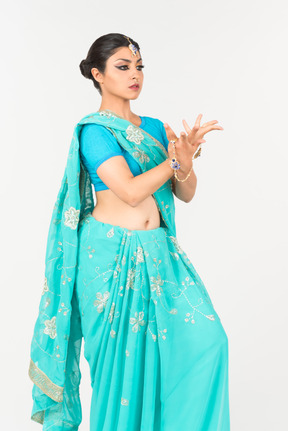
136,73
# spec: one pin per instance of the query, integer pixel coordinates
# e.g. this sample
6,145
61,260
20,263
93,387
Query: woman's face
122,70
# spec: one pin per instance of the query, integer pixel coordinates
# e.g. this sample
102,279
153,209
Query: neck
120,108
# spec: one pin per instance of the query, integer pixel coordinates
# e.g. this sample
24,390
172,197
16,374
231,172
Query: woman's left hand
197,132
187,145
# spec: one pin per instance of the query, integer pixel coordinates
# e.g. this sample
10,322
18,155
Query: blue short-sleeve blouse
98,144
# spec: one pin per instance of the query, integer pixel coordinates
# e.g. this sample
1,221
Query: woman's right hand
183,150
171,136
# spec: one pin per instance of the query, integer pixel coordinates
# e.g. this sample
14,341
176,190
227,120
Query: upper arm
116,174
103,155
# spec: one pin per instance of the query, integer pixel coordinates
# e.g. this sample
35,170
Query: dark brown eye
120,67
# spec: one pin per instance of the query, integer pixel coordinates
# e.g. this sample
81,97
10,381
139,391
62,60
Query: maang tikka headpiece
132,47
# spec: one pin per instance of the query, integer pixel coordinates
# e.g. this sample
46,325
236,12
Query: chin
137,94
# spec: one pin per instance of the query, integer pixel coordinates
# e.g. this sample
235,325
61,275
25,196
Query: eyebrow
129,61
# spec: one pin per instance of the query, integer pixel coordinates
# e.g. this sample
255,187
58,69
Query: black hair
100,51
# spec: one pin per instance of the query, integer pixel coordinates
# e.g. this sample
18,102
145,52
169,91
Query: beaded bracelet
176,165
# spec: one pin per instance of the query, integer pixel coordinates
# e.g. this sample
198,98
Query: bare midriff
111,209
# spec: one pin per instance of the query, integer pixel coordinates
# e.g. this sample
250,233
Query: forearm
145,184
185,190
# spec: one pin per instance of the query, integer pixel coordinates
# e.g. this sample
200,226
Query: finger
169,132
187,128
198,120
209,128
209,123
183,137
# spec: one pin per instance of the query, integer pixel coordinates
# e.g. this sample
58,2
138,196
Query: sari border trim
38,417
44,383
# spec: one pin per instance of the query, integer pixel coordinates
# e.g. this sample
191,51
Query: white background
224,59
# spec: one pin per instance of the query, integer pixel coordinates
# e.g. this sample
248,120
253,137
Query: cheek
119,79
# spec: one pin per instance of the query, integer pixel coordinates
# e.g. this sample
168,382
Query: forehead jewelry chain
176,165
132,47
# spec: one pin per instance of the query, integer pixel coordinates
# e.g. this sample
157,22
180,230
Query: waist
110,209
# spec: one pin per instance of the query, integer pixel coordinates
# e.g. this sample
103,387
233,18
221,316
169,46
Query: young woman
116,275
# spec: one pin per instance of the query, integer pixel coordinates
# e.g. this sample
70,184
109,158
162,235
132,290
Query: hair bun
85,70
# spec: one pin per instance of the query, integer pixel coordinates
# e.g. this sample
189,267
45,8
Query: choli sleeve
97,144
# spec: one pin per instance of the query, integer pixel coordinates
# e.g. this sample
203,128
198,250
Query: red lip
134,85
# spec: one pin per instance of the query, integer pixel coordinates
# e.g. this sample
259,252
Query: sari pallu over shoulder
56,343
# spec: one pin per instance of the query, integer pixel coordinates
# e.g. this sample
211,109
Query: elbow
189,199
132,201
191,195
132,198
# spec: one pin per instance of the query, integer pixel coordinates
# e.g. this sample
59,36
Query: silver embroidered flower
45,287
130,278
101,301
176,244
50,327
134,134
157,282
72,217
112,333
124,402
137,321
139,255
142,156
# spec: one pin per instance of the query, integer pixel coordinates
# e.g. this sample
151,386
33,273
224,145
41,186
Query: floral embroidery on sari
101,301
134,134
50,327
137,321
72,218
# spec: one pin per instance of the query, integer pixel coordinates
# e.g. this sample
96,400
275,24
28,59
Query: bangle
176,176
175,165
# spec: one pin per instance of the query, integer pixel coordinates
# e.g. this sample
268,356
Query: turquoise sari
156,348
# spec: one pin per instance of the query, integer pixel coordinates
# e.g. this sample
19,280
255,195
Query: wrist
185,167
169,162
